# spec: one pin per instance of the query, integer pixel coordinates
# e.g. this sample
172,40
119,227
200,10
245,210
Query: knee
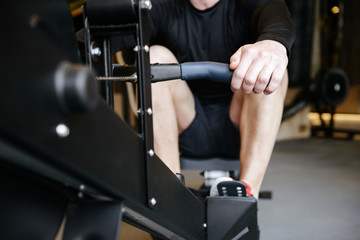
160,88
173,90
161,54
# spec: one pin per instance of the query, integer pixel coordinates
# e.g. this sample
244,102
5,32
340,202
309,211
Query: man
204,118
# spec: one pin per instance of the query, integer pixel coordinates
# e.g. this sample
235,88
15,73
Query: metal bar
144,85
107,87
98,57
163,198
110,11
118,79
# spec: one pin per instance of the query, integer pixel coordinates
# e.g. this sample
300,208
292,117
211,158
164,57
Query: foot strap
232,188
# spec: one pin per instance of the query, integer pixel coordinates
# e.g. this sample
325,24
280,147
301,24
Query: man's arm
255,64
259,67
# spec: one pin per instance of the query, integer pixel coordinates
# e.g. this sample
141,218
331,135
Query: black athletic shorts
211,133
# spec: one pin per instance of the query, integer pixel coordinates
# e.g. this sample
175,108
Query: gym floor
315,184
316,191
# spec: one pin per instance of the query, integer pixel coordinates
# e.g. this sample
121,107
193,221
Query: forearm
272,21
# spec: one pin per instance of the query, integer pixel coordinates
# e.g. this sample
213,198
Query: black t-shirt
217,33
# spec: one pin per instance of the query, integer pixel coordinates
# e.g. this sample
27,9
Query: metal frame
84,159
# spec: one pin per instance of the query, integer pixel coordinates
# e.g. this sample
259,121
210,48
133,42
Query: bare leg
258,117
173,111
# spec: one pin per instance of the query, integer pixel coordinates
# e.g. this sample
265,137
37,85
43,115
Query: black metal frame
87,160
159,196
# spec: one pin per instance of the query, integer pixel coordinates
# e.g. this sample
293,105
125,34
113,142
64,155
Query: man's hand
258,67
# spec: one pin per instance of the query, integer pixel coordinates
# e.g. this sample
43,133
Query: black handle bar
214,71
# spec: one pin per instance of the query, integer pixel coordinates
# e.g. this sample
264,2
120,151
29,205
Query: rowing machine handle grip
214,71
219,72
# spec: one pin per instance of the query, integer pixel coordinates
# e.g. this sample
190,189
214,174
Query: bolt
82,187
152,202
149,111
151,152
146,48
62,130
136,49
204,225
96,51
146,4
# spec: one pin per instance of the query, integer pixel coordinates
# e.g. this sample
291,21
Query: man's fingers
254,64
263,79
276,79
237,80
240,72
235,59
251,79
234,63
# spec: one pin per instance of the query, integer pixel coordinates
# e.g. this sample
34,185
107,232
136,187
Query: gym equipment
330,89
213,167
65,152
334,87
331,86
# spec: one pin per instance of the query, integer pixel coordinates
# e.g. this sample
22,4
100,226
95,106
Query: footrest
232,188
